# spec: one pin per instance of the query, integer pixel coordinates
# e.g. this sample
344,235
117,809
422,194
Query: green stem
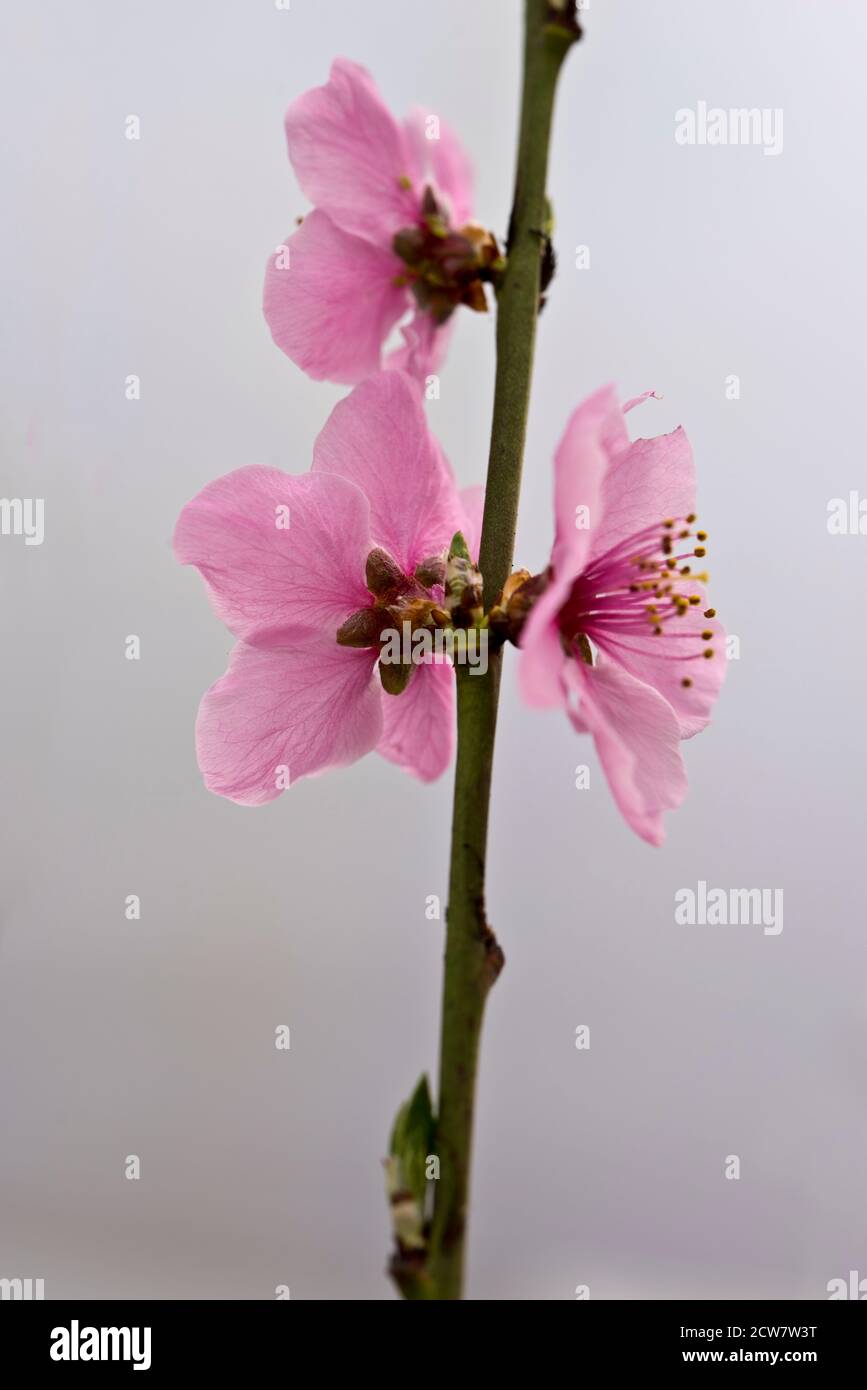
473,959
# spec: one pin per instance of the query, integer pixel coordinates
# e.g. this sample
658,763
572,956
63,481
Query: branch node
494,956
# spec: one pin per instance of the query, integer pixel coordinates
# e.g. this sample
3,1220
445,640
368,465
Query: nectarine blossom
390,231
308,572
621,635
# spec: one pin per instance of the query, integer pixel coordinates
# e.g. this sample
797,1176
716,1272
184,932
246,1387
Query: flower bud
382,575
463,582
394,676
362,629
431,571
520,592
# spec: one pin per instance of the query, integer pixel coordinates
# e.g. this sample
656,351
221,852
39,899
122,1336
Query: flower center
642,585
444,267
399,603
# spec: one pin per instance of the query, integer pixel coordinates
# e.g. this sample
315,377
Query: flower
389,230
308,571
622,636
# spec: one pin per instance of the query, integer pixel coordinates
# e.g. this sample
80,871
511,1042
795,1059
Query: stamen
636,590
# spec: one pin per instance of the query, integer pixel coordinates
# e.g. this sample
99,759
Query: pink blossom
389,231
622,637
288,562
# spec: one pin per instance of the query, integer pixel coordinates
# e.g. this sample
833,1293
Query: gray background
156,1038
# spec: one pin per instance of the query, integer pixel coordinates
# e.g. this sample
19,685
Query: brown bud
430,204
520,592
516,580
394,677
439,303
431,571
477,234
362,629
474,297
464,586
382,575
415,609
409,244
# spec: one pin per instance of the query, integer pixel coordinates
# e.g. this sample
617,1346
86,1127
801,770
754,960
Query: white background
155,1038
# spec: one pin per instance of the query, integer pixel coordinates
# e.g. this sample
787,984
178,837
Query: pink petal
261,575
665,661
350,156
378,438
645,483
419,726
304,704
637,738
542,661
473,503
442,162
594,436
330,300
639,400
425,343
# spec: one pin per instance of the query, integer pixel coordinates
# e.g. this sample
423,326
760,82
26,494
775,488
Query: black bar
226,1338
